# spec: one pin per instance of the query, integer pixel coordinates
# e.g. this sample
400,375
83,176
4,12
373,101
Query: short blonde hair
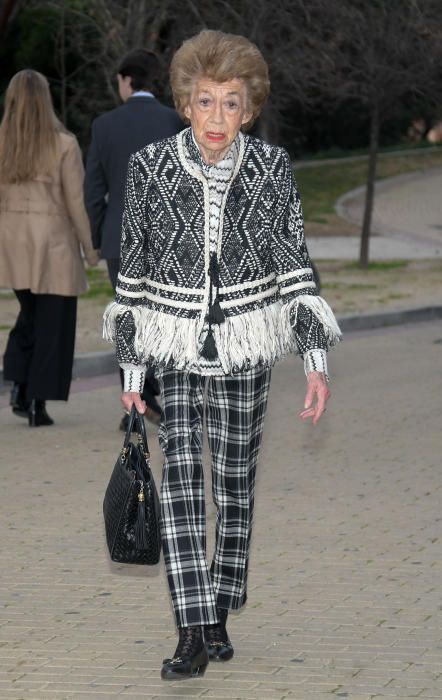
220,57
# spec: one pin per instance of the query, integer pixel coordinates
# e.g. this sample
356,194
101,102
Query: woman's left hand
316,387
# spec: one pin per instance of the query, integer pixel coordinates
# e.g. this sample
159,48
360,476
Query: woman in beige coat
43,228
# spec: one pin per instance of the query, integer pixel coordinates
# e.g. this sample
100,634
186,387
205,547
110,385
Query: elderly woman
215,286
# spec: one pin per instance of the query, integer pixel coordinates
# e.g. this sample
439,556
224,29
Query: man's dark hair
143,67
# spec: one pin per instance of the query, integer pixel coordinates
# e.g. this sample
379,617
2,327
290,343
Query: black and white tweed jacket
264,276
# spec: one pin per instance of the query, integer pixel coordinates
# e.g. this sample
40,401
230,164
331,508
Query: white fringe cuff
321,310
316,361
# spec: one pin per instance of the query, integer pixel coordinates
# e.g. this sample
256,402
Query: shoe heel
32,415
199,671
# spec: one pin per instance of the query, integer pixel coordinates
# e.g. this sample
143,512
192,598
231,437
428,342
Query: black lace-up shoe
190,658
218,643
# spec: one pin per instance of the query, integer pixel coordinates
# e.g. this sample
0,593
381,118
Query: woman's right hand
93,257
132,397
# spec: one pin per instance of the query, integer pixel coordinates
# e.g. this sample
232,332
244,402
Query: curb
367,321
93,364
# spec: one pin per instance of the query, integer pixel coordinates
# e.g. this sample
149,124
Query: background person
140,120
215,286
43,224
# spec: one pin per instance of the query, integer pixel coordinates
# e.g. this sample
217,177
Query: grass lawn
392,284
99,286
321,186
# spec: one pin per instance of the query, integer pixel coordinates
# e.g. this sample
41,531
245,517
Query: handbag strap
136,425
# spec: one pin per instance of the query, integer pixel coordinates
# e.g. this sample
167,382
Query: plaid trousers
235,411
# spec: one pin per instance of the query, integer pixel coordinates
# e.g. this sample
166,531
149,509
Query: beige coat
43,223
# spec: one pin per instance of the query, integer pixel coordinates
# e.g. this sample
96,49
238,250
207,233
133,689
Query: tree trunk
7,11
267,125
136,24
63,103
371,177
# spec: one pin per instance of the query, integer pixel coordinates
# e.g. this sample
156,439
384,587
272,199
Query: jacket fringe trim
258,337
253,338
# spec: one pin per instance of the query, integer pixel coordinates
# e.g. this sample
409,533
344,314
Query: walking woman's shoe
190,658
218,643
38,415
18,401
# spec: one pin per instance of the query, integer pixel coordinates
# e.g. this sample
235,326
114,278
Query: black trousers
40,348
151,388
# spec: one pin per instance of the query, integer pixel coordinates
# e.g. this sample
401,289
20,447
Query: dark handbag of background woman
131,506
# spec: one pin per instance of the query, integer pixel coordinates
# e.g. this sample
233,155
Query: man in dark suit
140,120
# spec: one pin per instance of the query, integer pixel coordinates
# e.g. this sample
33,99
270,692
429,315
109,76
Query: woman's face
216,113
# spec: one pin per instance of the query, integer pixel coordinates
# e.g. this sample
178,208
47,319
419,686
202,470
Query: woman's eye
232,105
204,101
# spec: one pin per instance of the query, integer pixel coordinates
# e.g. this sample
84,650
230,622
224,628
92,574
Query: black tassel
140,525
214,270
209,351
216,314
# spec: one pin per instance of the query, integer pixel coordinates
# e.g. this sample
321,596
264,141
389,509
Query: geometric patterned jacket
263,280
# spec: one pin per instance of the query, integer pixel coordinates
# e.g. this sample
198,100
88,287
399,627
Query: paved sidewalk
344,597
407,217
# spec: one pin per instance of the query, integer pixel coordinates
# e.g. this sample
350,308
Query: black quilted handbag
131,507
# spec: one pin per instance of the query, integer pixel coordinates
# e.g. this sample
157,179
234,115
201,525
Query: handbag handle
136,424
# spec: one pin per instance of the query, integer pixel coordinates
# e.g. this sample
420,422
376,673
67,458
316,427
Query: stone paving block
47,677
251,671
186,689
244,678
397,684
313,695
22,683
255,694
78,687
32,695
408,678
95,665
383,692
88,695
405,693
342,696
137,695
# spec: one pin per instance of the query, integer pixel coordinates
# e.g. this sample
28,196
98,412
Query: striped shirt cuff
316,361
133,377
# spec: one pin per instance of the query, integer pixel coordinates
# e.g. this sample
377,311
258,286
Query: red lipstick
214,136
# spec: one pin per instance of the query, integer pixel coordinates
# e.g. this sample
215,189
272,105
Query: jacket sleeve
72,177
310,317
123,318
95,189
